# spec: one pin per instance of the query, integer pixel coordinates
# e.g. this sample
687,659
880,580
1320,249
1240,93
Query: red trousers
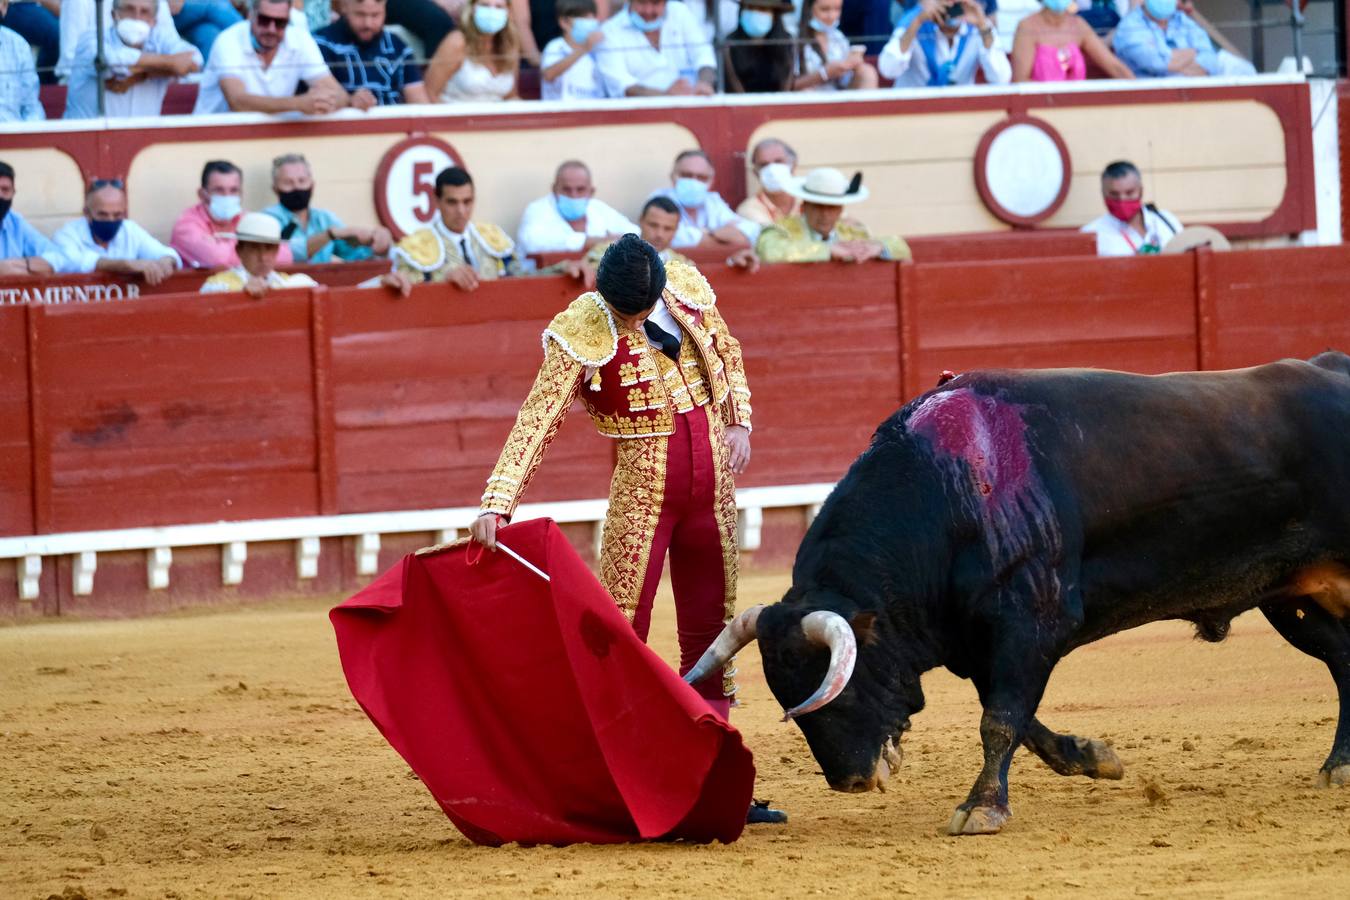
688,529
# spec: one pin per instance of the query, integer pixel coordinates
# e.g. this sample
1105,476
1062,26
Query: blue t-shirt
384,66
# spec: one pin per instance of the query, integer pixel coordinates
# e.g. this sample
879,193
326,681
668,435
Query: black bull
1006,518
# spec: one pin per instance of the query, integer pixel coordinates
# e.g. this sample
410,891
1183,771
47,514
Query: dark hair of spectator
806,35
575,9
665,204
6,171
454,176
760,65
1119,169
690,153
631,275
223,166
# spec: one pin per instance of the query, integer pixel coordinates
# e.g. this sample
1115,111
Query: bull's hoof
1101,760
978,820
1336,777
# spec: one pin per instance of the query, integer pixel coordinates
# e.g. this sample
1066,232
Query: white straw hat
828,187
257,228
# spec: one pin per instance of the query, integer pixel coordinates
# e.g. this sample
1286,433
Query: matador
657,369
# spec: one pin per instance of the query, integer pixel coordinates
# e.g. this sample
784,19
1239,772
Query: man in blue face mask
105,240
570,219
705,218
1159,40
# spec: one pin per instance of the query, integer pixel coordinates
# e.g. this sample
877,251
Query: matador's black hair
631,275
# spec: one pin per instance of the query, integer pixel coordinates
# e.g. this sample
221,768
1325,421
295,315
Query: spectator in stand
1050,46
570,218
712,15
705,218
77,19
200,22
36,22
1130,226
372,64
825,60
204,234
955,40
775,164
141,64
455,248
18,78
1158,40
655,48
256,66
105,240
23,249
258,241
479,62
569,70
758,57
818,234
316,235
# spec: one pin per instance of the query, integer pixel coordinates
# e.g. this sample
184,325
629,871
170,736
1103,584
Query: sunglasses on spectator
99,184
277,22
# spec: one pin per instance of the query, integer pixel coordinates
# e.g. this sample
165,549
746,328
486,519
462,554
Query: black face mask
296,200
4,207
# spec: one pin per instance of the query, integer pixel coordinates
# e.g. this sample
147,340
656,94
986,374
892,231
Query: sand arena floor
220,755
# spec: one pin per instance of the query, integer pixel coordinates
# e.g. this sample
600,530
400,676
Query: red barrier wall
196,408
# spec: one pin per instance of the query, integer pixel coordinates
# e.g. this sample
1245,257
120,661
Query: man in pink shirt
204,234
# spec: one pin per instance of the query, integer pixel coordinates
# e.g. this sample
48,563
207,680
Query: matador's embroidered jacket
630,388
429,254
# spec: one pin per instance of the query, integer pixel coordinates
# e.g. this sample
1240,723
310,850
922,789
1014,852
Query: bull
1005,518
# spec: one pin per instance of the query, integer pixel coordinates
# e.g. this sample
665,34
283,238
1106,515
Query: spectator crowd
318,56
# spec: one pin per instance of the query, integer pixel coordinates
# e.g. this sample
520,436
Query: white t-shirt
1116,238
76,243
232,56
144,99
580,82
544,230
626,58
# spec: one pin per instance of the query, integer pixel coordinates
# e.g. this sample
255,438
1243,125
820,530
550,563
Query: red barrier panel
1262,306
163,411
1132,314
16,458
95,286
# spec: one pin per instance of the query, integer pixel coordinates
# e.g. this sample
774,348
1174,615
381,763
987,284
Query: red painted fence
188,408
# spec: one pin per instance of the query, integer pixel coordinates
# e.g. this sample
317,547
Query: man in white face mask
142,62
775,163
204,234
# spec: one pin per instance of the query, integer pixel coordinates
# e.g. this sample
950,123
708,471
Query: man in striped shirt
372,64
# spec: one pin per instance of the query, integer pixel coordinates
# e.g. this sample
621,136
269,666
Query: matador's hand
484,530
738,439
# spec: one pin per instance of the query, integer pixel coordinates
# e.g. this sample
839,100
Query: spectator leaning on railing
817,234
317,235
141,64
568,65
105,240
372,64
480,61
570,218
257,65
77,20
946,44
705,218
1130,226
775,164
1157,40
204,233
18,77
655,48
23,249
455,248
258,240
758,57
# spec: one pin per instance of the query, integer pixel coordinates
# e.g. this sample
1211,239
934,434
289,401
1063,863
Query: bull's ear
864,627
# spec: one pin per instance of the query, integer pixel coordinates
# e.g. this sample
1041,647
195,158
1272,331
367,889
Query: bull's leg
1318,633
1069,754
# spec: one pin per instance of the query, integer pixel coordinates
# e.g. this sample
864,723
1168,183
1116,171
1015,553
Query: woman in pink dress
1051,45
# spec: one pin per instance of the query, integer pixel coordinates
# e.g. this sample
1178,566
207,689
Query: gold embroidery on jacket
636,495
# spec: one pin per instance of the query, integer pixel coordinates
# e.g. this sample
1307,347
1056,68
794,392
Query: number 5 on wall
405,182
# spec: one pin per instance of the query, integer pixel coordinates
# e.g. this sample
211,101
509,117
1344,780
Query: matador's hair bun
631,275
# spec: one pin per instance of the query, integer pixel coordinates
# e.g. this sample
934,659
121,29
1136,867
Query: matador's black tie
669,343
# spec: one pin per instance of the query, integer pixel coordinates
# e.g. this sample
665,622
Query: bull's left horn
831,630
739,632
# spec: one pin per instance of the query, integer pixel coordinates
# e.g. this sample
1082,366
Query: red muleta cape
530,709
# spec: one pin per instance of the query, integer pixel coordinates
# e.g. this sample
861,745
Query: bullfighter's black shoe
761,814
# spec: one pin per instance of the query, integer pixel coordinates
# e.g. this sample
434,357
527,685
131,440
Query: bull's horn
739,632
831,630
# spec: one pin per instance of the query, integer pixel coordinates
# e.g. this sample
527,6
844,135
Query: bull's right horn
828,629
739,632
